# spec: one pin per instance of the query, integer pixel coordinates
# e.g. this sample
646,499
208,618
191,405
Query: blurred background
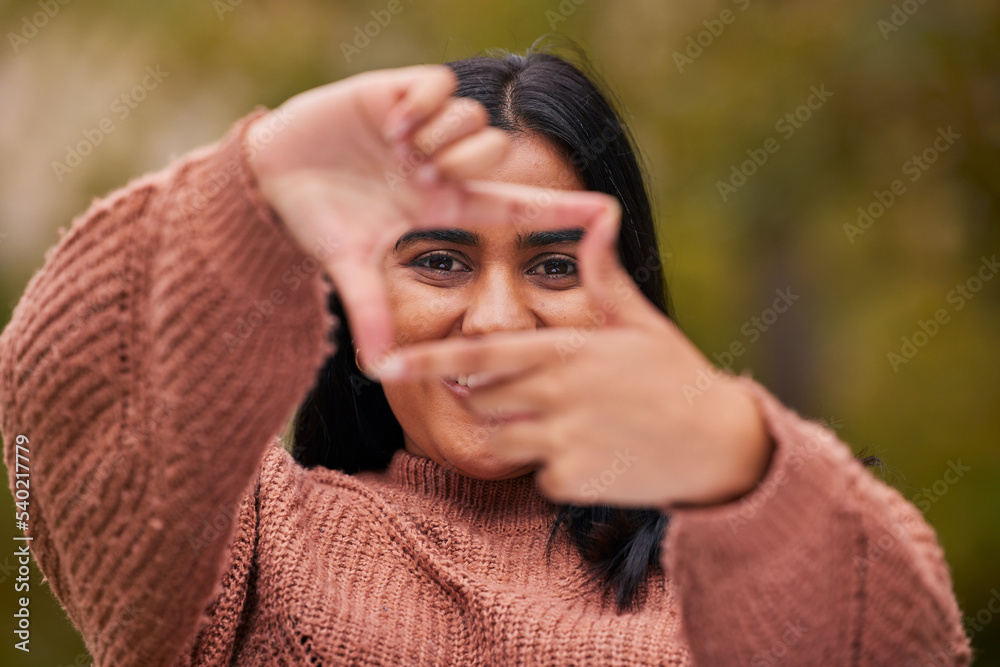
843,154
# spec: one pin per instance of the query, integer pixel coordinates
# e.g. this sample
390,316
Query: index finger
487,202
497,357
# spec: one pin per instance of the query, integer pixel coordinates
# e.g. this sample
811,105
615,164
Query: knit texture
172,332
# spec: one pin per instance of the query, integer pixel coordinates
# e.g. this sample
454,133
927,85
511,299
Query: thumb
363,294
610,289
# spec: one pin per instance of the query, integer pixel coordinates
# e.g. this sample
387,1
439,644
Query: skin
600,405
585,382
489,288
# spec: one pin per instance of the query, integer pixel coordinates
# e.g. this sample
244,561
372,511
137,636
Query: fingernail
607,236
399,130
427,174
481,379
390,367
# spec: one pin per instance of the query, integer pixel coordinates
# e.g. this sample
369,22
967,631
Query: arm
180,323
820,564
618,413
149,364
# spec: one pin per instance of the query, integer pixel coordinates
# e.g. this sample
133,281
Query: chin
447,432
462,449
461,445
480,462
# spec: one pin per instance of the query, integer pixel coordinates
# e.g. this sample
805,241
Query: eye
555,267
440,263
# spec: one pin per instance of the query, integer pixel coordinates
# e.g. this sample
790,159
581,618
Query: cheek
400,395
420,410
407,399
405,402
421,312
569,308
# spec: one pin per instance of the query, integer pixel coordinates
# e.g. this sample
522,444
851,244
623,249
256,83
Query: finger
362,291
423,97
482,202
502,355
525,395
521,441
561,487
460,117
470,157
610,289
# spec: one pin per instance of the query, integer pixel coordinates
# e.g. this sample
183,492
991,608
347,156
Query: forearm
786,572
150,362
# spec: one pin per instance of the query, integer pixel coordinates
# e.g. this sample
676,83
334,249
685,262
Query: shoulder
281,476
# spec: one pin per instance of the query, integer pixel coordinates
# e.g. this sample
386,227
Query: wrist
744,447
751,444
262,149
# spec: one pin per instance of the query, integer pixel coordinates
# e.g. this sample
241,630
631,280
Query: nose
497,304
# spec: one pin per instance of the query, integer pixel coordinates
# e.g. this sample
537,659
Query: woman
522,354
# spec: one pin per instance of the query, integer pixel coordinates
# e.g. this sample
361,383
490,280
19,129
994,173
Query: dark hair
346,423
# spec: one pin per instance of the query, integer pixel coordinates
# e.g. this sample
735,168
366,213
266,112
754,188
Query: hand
603,410
340,175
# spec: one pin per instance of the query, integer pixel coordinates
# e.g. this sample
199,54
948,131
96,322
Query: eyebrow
467,238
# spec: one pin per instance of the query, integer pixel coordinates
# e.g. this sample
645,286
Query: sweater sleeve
820,564
165,342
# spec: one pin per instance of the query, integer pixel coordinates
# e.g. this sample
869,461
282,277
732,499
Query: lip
456,388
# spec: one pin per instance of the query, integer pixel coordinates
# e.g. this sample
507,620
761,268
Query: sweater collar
494,502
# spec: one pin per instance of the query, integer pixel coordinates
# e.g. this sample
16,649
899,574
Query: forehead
520,237
533,160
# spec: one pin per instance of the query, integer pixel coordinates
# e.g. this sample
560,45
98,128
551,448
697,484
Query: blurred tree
759,181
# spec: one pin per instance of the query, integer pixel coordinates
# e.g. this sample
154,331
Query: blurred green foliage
703,83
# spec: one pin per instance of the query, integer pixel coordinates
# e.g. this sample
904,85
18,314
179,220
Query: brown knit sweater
154,359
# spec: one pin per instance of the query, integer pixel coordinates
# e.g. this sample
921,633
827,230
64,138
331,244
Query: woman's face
473,281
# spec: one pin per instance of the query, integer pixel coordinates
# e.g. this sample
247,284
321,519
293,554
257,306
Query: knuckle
553,481
551,392
559,432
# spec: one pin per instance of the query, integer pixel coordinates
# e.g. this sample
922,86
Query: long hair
346,423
